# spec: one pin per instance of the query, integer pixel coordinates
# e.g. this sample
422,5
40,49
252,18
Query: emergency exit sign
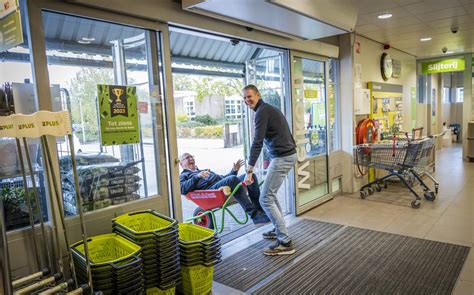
441,66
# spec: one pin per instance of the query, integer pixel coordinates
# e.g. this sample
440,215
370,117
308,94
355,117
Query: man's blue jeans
276,174
250,203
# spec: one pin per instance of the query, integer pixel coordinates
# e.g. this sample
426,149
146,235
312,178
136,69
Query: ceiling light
88,39
449,52
83,42
385,16
425,39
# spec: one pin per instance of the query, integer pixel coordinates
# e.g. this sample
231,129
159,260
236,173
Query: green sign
441,66
11,33
310,93
118,114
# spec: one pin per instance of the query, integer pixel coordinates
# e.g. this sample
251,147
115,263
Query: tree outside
83,91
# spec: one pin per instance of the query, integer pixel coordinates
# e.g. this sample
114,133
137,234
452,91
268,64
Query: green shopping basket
193,236
145,222
106,249
158,291
196,279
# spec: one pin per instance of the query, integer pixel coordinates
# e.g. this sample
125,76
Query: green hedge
215,131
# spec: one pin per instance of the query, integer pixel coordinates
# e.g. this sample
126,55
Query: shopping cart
399,159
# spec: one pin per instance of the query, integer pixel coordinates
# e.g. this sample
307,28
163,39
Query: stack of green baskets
115,262
158,237
200,250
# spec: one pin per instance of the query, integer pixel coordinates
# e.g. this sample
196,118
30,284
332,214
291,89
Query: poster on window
118,114
11,33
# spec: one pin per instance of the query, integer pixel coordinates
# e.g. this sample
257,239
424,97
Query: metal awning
85,42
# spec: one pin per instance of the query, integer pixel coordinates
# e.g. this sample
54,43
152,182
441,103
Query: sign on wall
118,114
442,66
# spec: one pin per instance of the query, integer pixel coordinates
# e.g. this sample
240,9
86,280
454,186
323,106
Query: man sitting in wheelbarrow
192,179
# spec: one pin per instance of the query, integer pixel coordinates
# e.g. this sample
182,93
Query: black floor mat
248,267
332,259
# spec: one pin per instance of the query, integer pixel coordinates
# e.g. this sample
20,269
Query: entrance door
267,72
309,86
108,53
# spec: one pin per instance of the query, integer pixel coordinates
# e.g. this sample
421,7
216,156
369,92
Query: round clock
386,66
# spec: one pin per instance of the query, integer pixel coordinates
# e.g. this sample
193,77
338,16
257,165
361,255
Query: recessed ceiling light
91,39
83,42
385,15
425,39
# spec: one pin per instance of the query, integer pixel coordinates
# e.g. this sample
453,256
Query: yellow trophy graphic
118,92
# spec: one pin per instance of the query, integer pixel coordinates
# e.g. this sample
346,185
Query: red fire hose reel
366,131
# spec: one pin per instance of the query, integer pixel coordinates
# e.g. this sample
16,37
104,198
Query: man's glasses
187,157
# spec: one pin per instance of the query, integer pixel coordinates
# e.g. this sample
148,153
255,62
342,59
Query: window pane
446,95
333,107
17,95
459,94
315,106
83,53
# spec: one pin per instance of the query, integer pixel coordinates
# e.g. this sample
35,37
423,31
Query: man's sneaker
270,235
260,218
280,248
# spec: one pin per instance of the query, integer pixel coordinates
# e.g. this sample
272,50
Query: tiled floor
450,218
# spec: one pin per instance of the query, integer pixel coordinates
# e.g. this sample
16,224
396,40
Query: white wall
347,110
369,58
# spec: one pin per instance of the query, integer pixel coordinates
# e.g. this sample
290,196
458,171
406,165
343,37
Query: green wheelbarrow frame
224,208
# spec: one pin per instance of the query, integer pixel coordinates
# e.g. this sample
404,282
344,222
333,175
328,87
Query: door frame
155,32
297,133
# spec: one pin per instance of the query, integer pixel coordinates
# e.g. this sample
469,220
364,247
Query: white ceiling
415,19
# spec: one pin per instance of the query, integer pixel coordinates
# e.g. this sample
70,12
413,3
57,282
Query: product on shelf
103,181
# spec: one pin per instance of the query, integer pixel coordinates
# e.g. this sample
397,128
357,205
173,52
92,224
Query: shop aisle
448,219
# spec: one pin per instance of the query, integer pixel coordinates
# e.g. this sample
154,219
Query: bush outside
215,131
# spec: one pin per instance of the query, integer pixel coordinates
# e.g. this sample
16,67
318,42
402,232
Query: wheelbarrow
211,201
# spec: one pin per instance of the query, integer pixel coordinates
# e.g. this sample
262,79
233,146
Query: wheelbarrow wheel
204,220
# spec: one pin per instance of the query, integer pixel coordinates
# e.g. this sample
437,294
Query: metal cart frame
399,159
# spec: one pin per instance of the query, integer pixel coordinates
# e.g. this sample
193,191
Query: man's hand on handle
249,176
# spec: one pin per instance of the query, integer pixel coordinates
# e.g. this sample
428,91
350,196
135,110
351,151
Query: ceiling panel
429,6
368,6
406,2
443,14
415,19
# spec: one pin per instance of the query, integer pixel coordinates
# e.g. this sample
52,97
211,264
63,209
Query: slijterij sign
441,66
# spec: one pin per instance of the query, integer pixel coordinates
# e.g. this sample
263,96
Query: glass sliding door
310,129
268,71
88,60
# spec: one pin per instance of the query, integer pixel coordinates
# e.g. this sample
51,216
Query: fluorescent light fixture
425,39
385,16
449,52
83,42
88,39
